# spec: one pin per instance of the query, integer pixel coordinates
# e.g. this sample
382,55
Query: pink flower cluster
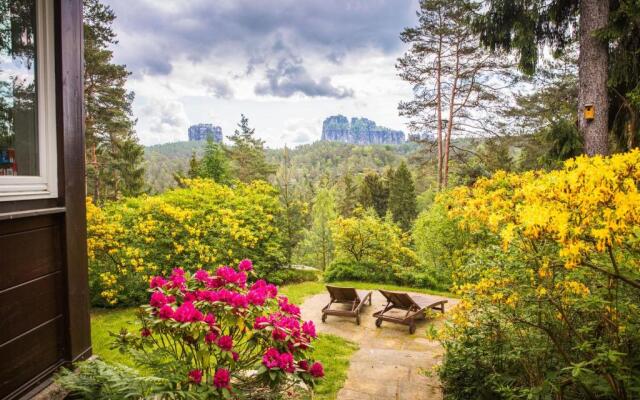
287,307
212,303
245,265
224,276
228,275
177,279
222,378
195,376
272,359
257,295
187,313
316,369
287,329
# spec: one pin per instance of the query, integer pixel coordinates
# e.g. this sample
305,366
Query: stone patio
390,361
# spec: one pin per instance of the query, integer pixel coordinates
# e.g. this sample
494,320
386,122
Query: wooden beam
69,92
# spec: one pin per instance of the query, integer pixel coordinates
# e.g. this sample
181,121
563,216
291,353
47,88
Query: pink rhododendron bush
216,335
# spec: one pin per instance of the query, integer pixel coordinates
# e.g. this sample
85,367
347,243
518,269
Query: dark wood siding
44,300
31,299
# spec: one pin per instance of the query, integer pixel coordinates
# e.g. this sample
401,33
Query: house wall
44,311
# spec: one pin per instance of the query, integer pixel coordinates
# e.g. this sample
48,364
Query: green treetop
293,218
110,139
318,245
374,193
214,164
402,197
247,154
348,199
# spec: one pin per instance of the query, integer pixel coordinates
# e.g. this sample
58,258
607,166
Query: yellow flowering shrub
369,248
202,224
551,291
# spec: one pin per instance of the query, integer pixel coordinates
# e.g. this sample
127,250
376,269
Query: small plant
214,336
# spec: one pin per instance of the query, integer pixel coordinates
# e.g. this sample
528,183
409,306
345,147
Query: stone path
390,361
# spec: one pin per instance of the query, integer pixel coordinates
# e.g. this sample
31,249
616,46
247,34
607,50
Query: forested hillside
164,160
326,162
330,160
311,162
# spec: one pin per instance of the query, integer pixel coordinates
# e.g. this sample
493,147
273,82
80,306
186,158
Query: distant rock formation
422,137
205,132
360,131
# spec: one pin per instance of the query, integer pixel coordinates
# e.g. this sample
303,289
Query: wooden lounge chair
406,309
350,302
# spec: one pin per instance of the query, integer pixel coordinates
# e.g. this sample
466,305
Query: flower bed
214,335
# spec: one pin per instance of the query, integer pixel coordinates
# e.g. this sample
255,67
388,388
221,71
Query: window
28,167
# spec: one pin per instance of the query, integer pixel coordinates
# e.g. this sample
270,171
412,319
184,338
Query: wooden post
69,51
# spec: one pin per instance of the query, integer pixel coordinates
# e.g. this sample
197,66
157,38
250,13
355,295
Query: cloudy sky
286,64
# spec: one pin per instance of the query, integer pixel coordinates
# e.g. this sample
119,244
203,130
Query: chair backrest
399,299
342,293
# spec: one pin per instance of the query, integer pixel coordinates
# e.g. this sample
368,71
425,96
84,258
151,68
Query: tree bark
592,75
439,108
96,177
452,101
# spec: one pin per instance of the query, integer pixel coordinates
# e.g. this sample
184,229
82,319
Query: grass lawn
333,351
298,292
105,321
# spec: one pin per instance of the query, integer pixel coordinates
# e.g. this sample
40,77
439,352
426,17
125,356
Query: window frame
44,185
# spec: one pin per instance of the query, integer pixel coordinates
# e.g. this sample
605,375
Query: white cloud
161,121
197,72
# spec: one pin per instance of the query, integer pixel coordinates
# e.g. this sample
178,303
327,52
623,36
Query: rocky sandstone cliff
338,128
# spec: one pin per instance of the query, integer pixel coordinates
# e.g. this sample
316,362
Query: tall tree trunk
96,177
439,108
592,76
452,101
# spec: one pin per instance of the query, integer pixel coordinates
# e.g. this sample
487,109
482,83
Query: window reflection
18,111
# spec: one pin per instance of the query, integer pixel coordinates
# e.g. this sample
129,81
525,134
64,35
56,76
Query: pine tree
348,199
214,164
402,197
624,73
247,154
126,168
545,119
320,238
454,79
533,26
110,139
374,193
194,166
294,215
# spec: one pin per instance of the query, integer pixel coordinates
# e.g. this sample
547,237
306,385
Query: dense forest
310,163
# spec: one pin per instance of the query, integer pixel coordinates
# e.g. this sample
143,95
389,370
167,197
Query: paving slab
391,363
